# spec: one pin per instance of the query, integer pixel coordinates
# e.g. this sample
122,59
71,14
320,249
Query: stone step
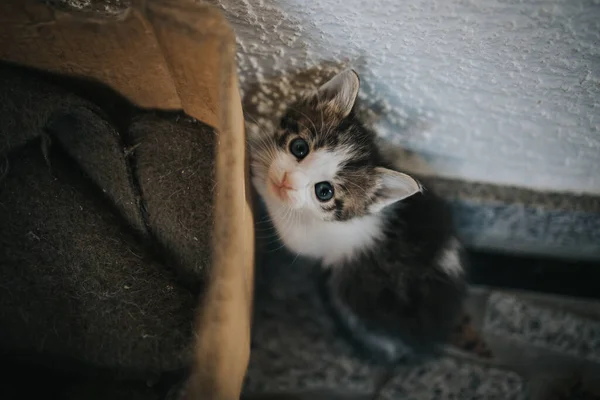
549,340
558,325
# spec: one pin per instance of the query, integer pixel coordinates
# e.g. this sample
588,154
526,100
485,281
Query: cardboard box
168,55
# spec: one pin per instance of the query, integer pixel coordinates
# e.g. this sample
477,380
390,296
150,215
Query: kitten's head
322,162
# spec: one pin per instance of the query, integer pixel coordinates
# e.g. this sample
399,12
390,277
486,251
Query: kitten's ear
340,92
393,186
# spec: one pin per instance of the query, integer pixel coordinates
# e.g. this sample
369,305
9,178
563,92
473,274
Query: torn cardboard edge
167,55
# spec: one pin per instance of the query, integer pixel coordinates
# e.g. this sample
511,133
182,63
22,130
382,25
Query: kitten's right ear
340,92
393,187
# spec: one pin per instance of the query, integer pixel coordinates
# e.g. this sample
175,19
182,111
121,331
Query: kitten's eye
299,148
324,191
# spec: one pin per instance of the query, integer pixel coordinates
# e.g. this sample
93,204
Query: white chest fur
330,241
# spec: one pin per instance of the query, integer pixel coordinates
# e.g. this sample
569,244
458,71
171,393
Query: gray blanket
104,232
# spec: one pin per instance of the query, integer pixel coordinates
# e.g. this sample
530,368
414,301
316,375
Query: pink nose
285,182
282,187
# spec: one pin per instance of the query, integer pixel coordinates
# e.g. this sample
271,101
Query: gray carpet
539,344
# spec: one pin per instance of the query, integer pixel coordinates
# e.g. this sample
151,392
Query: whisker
306,116
360,189
294,260
288,224
258,124
264,222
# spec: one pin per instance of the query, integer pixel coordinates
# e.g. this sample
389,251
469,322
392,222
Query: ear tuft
393,187
340,92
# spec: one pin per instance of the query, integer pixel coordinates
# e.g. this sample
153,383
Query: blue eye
324,191
299,148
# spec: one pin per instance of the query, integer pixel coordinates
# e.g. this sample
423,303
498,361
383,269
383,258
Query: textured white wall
500,91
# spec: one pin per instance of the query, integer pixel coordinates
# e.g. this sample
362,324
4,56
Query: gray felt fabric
174,170
98,230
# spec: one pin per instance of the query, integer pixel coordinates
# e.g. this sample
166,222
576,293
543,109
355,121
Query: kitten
396,278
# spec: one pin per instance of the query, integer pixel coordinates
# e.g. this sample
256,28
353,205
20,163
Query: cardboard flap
120,52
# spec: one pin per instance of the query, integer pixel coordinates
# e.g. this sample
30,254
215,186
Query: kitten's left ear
393,186
340,92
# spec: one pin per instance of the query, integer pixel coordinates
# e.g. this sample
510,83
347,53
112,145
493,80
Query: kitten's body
403,294
396,279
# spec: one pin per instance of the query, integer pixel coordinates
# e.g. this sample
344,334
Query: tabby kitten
395,277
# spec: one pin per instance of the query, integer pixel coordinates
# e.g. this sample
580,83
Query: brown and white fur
395,275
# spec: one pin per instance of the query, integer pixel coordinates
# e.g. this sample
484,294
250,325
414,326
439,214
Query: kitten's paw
467,338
